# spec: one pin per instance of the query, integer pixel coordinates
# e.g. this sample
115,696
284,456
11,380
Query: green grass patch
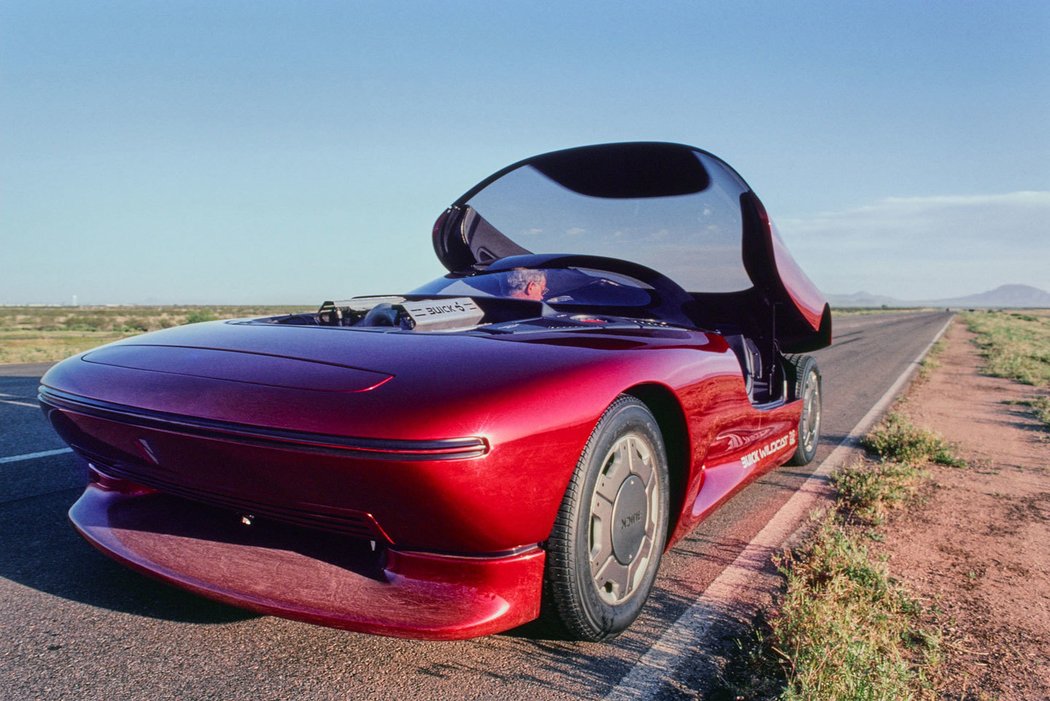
896,439
199,315
1014,345
868,491
46,334
845,628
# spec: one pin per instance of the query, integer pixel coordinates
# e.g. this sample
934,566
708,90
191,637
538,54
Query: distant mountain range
1005,296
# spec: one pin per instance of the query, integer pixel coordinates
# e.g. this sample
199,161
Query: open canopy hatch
676,209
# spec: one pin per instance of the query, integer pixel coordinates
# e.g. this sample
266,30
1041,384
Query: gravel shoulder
976,547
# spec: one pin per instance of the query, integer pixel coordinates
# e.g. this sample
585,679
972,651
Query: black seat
383,314
750,359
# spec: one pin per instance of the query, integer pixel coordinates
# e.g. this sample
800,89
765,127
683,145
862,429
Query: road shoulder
977,546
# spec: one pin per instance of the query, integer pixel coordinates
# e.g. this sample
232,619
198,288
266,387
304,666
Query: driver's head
525,283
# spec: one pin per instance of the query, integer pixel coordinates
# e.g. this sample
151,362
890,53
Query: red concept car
530,432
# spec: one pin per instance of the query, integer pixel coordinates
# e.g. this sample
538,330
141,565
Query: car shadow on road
567,668
40,550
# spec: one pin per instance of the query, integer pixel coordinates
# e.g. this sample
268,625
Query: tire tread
562,578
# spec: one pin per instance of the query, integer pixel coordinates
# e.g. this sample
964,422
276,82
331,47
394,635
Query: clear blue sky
288,152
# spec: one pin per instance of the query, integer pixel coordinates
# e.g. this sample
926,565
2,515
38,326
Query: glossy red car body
404,482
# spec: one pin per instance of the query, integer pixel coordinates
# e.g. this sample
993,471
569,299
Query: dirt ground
976,548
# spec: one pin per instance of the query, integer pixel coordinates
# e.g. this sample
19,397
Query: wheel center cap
630,515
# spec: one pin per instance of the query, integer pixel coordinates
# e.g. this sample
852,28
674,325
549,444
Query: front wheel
610,532
803,378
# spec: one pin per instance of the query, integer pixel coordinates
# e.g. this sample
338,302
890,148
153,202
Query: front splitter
311,576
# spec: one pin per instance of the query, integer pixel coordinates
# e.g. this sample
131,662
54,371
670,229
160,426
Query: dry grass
1016,345
45,334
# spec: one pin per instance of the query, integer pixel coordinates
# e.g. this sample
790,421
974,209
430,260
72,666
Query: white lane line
678,643
15,403
34,456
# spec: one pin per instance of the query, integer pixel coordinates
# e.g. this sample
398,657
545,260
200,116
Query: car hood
342,381
672,208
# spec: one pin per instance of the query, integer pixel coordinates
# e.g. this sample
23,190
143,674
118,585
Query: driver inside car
527,283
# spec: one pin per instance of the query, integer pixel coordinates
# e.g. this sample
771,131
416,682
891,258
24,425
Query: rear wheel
607,541
803,378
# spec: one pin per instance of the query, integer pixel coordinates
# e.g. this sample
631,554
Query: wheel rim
625,513
809,425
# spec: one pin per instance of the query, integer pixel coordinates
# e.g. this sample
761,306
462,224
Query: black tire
610,532
804,382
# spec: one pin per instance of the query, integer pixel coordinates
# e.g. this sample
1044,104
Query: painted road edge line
661,661
34,456
17,403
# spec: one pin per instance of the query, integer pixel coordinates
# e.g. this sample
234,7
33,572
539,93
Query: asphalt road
76,625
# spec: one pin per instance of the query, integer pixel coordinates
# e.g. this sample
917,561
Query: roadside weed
848,630
1040,407
931,361
868,490
897,439
197,316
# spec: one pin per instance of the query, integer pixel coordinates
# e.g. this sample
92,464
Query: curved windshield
693,236
554,286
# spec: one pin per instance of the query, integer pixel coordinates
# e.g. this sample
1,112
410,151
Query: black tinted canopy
672,208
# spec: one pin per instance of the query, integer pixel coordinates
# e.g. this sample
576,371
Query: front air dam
310,576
